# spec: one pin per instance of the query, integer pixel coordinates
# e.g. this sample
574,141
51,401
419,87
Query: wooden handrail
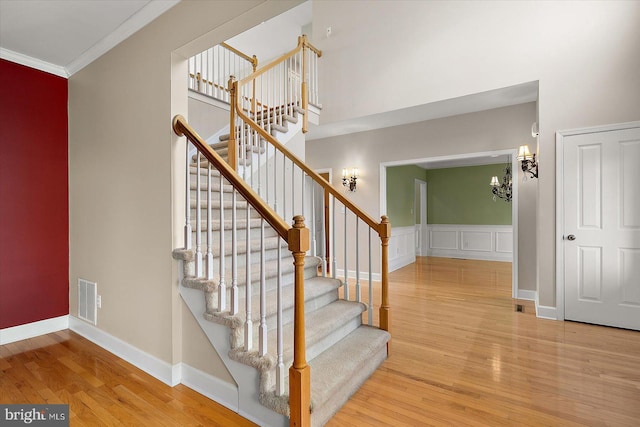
302,42
253,60
382,230
181,127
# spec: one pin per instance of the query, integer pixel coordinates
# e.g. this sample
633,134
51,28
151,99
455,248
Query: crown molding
137,21
31,62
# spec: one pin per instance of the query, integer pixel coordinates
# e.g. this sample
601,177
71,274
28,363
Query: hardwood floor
100,388
461,355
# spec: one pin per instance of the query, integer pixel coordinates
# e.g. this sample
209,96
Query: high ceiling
63,36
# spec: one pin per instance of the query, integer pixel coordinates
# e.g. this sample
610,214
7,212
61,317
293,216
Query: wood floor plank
462,355
100,388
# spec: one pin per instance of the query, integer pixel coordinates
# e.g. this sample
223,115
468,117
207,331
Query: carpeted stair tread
314,288
341,370
215,203
241,224
351,351
319,324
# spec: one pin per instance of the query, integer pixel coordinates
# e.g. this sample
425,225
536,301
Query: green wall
400,194
454,195
463,196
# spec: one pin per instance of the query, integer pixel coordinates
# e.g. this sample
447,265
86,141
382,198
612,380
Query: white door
602,227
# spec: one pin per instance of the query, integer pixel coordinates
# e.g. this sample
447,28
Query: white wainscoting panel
476,240
484,242
504,241
443,239
402,247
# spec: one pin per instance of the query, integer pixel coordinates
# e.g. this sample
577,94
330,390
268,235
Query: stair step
323,327
241,224
341,370
319,291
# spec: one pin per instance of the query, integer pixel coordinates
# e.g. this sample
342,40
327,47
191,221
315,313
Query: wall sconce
528,161
504,189
350,181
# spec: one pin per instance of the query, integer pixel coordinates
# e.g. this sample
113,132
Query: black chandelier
504,189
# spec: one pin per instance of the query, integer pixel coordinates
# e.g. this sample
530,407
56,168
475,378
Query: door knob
571,237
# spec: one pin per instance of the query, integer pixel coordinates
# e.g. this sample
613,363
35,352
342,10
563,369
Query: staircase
277,311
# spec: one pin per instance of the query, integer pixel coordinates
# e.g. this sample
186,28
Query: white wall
491,130
125,195
585,55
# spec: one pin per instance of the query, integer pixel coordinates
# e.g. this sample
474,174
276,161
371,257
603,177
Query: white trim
364,275
560,135
137,21
402,247
153,366
34,329
207,385
545,312
486,236
514,204
34,63
526,294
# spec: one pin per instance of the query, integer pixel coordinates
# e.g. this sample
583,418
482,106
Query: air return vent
87,306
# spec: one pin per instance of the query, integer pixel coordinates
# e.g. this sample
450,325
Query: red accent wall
34,195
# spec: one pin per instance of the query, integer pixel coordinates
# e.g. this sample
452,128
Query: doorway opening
497,240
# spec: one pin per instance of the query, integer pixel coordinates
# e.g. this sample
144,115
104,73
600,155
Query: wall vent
87,304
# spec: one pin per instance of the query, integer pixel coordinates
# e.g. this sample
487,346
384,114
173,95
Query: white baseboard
400,262
214,388
527,295
153,366
34,329
546,312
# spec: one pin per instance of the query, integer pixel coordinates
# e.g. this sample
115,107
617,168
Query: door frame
418,186
514,201
560,136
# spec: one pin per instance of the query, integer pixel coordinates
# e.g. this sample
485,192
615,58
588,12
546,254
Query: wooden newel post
231,144
385,313
299,373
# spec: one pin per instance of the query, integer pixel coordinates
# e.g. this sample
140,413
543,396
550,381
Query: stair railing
296,237
261,103
209,70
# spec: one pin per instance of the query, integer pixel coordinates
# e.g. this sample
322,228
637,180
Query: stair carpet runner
341,351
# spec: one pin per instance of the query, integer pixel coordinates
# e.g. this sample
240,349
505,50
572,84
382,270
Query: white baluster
263,295
357,260
302,196
222,286
187,222
209,227
370,313
346,270
284,186
334,274
280,370
293,189
248,324
323,236
314,244
234,255
198,220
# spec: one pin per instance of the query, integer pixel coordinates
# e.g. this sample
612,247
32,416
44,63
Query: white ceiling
63,36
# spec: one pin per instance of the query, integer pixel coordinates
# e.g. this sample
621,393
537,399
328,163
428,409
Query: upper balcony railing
210,70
